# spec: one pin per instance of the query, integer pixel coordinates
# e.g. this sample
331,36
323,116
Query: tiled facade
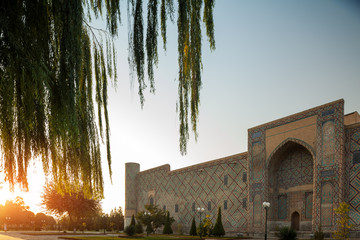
303,164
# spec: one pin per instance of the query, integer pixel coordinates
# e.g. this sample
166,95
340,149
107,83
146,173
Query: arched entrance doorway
290,185
295,221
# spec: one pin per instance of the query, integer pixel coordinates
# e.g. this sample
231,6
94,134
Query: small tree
167,227
155,215
149,228
139,228
218,229
342,223
193,228
206,226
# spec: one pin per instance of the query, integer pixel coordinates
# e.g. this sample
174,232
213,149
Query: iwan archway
290,185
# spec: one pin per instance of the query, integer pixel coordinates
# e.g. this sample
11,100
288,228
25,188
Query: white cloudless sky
272,59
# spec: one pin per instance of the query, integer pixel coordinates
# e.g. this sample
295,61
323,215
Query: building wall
321,131
319,144
222,182
131,171
353,177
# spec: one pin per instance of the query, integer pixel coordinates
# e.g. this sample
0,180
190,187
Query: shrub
319,234
206,227
342,222
139,228
218,229
130,230
193,228
286,233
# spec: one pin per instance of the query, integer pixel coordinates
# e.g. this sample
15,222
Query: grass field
152,237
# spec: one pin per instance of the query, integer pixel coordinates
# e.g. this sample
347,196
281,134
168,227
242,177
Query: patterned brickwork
296,169
353,147
311,164
282,207
308,205
200,186
327,196
328,161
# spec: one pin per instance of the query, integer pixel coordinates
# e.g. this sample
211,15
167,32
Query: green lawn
152,237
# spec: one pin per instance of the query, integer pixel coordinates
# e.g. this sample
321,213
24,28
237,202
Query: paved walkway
21,236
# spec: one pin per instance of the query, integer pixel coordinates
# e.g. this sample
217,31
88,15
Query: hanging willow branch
54,65
189,52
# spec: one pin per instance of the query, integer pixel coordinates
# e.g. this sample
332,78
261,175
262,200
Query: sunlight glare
32,198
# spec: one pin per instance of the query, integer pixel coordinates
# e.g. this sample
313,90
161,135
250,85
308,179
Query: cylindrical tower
131,171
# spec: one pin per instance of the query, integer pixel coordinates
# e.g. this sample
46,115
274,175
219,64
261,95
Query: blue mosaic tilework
323,161
296,169
353,138
282,209
308,205
326,204
328,143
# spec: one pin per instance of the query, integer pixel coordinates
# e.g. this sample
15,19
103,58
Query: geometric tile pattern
327,160
328,142
282,209
296,169
200,185
354,176
308,205
330,164
326,204
291,167
257,211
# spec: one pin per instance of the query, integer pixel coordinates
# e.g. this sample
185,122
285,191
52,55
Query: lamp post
148,226
104,223
7,222
200,211
266,205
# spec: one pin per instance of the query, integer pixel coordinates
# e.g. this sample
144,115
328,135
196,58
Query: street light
266,205
7,221
200,211
148,226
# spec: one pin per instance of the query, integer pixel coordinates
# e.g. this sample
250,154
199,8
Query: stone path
20,236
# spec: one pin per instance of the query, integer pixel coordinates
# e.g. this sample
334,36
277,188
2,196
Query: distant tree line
113,222
67,212
15,215
76,211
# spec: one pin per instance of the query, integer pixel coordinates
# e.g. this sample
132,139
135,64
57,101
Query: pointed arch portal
290,182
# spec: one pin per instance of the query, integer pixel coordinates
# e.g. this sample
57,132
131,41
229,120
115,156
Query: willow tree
55,69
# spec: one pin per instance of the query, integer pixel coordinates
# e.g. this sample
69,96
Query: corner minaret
131,171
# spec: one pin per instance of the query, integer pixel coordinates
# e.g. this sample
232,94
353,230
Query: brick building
304,165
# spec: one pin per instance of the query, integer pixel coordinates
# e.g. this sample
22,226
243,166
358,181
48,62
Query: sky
272,59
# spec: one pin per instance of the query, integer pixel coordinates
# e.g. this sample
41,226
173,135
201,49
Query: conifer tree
193,228
149,228
218,229
133,223
167,228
